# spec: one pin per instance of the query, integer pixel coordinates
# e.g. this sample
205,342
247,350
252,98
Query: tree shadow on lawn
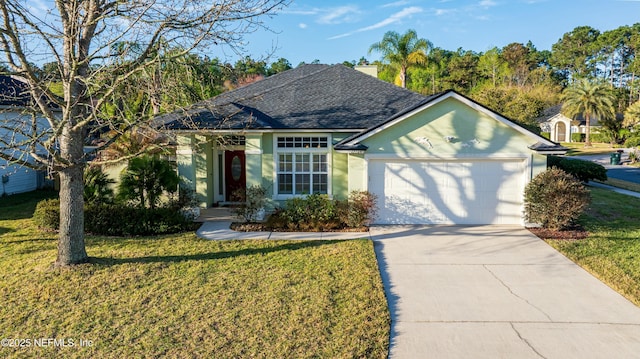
211,255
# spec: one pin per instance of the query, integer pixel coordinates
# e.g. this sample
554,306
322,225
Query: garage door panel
440,192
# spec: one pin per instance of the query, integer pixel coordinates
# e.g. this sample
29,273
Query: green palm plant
97,186
145,179
632,115
592,100
403,51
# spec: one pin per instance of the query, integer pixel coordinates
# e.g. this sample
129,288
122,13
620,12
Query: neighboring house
14,99
331,129
560,127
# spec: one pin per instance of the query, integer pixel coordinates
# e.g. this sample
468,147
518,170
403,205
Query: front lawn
179,296
578,149
612,250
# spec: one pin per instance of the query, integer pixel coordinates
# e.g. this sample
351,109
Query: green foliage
633,141
555,199
632,115
578,137
590,99
116,219
121,220
522,106
601,137
145,179
253,200
580,169
402,51
47,214
362,208
315,212
546,135
318,213
97,187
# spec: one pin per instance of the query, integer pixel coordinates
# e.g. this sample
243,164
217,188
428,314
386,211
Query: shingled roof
14,92
307,97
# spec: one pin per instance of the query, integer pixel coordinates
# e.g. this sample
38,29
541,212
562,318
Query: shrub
121,220
115,219
632,142
315,212
600,137
582,170
555,199
253,200
362,208
47,214
577,137
97,186
546,135
318,213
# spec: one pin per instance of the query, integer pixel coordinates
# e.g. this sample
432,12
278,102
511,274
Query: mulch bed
569,234
262,227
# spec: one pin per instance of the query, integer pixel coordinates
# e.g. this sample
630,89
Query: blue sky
334,31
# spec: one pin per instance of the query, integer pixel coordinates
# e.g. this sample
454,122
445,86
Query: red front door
234,174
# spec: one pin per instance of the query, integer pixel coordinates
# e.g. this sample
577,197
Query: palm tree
592,100
403,51
632,115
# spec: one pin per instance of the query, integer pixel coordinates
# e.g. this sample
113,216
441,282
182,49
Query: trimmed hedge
47,214
600,137
577,137
119,220
580,169
116,219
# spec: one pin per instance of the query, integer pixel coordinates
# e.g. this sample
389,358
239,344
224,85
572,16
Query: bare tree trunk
587,136
71,248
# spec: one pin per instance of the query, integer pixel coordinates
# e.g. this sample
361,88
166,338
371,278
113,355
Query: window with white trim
302,165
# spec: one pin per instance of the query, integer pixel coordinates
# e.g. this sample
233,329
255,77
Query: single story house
561,127
14,99
441,159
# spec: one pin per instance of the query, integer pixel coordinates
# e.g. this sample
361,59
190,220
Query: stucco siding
268,165
253,155
449,129
357,172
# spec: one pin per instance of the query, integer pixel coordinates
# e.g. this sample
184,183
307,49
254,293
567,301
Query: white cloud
487,3
302,25
407,12
338,15
395,4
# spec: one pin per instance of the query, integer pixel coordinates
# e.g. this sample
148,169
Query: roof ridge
228,93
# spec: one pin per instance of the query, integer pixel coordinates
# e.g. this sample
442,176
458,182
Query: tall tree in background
575,52
78,37
403,51
589,99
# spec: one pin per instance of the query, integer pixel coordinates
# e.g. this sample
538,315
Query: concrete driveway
496,292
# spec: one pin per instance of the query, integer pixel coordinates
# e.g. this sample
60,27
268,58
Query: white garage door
448,192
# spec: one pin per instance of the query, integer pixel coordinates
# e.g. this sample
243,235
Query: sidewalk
220,230
614,189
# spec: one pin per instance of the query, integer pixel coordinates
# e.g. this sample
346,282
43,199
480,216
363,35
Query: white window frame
277,151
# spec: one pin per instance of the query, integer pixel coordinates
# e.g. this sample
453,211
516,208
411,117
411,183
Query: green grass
631,186
180,296
612,250
578,149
